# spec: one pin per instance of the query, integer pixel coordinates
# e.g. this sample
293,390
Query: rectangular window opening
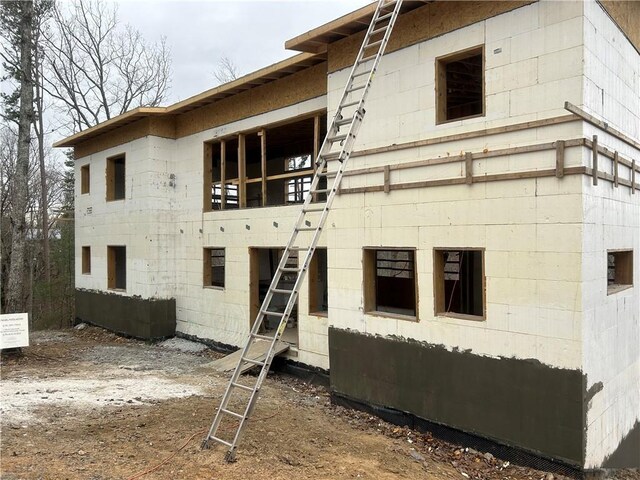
619,270
318,287
460,85
116,178
86,260
390,281
85,179
214,264
117,268
459,283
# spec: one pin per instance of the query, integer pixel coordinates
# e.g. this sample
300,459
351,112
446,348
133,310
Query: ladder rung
337,138
374,44
242,387
287,269
275,314
251,360
366,59
219,440
344,121
233,414
319,208
306,229
355,89
383,17
262,337
349,104
280,290
377,31
360,74
321,190
331,156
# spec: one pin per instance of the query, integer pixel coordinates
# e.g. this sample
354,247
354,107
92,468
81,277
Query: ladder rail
347,141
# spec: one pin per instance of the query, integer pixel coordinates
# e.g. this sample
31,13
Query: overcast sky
250,33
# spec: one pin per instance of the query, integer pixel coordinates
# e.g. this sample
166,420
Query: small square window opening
459,283
460,85
214,264
619,270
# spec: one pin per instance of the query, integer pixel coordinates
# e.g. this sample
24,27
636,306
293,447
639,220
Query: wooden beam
207,180
242,171
467,135
560,158
602,125
594,161
316,139
468,166
633,177
263,164
615,169
223,173
387,175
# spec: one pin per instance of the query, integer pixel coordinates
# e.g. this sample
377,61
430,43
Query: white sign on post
14,330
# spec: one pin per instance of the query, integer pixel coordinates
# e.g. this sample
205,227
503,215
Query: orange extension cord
166,460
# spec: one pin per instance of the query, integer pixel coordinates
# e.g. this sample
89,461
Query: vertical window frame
438,284
207,270
370,283
112,268
441,83
85,179
112,194
314,303
86,260
623,270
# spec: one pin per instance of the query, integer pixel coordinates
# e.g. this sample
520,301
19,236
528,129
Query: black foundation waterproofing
519,403
137,317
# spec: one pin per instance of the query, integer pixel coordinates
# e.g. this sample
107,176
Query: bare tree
100,69
226,70
19,17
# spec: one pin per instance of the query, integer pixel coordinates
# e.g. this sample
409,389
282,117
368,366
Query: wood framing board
258,351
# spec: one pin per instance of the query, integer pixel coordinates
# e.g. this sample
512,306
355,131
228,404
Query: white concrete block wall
137,222
533,64
611,323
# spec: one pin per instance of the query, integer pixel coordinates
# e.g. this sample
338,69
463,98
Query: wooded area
66,67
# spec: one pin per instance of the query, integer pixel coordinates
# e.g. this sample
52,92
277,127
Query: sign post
14,330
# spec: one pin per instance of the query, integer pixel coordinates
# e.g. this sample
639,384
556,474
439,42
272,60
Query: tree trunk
44,202
15,286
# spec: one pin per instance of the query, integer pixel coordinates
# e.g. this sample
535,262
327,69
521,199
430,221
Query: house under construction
479,267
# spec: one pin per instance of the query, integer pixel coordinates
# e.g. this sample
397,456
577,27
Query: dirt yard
90,405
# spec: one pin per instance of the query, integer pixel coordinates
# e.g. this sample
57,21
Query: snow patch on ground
20,397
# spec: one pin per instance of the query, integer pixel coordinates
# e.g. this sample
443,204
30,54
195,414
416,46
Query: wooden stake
594,162
615,169
223,171
633,177
468,157
263,164
242,171
387,186
560,158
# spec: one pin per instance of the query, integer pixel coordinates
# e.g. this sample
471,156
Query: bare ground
90,405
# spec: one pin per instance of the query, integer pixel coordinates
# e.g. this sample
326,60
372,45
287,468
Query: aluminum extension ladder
337,145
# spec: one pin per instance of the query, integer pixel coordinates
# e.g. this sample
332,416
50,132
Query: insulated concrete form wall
611,323
223,315
142,221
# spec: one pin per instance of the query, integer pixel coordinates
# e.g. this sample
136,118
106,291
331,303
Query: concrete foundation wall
611,323
503,399
147,319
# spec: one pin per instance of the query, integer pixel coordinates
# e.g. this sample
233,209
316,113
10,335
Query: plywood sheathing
157,126
298,87
627,15
428,21
295,88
